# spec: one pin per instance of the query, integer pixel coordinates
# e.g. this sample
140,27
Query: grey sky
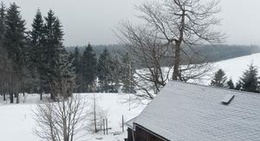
92,21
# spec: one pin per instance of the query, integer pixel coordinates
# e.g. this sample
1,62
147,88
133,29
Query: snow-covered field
16,120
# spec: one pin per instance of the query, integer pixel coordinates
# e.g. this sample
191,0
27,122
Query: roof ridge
209,86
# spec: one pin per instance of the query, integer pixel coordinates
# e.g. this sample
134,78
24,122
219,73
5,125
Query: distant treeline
223,52
98,49
212,52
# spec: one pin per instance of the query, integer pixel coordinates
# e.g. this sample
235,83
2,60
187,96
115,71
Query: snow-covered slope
235,67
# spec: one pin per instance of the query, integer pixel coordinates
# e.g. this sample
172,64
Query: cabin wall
141,135
129,134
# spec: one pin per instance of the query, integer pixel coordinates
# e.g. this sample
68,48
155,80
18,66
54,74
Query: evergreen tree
127,74
103,71
14,37
56,62
4,70
2,20
238,85
36,52
88,69
75,58
230,84
114,75
14,42
249,80
219,79
37,30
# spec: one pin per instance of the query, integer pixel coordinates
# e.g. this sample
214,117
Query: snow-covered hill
234,68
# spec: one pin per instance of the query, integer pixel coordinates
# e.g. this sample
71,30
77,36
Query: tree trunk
11,98
52,96
177,56
177,61
17,97
95,118
4,98
40,96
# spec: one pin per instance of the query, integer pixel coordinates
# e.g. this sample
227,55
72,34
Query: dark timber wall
142,134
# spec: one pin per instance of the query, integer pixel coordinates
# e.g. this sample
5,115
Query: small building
190,112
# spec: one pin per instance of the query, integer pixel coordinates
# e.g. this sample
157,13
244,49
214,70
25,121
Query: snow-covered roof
189,112
130,123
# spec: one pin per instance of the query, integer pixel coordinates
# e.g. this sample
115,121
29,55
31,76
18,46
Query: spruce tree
103,71
88,69
230,84
219,79
75,58
56,62
115,73
127,74
14,42
4,71
14,37
36,52
238,85
37,30
249,80
2,20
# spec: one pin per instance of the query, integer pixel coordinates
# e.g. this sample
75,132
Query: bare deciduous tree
96,116
62,120
170,31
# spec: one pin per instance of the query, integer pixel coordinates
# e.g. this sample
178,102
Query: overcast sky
93,21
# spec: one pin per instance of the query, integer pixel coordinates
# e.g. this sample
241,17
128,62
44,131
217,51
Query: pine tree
75,58
4,71
36,52
219,79
114,75
127,74
230,84
37,30
88,69
14,37
249,80
56,62
238,85
14,42
103,71
2,20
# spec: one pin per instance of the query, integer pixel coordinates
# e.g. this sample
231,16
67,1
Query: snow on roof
188,112
130,123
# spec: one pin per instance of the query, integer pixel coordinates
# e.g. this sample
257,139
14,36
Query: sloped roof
189,112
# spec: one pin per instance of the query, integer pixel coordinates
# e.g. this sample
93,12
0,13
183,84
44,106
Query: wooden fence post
107,125
123,124
104,127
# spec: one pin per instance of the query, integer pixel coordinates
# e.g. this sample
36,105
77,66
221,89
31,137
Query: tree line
33,61
104,73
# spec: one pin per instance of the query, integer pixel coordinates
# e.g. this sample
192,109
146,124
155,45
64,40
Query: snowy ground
16,122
